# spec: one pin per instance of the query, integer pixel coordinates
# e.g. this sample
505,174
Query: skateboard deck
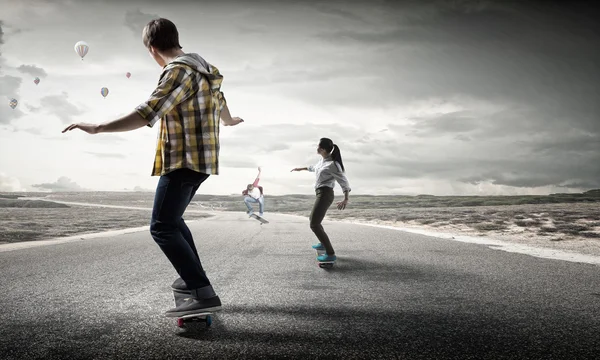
324,264
202,316
262,221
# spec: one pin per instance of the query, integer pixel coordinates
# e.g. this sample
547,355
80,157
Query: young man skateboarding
254,194
188,104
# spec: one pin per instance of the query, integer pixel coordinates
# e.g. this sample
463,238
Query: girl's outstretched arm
310,168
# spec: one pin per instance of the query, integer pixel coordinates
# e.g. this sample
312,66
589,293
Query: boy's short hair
162,34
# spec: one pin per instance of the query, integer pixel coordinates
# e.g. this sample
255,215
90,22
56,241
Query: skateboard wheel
208,321
180,322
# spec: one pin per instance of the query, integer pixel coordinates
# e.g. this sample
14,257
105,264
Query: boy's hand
237,120
342,204
88,128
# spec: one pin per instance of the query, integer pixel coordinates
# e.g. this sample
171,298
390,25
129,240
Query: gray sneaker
180,286
193,306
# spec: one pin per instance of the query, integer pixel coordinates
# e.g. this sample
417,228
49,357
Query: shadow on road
379,271
347,332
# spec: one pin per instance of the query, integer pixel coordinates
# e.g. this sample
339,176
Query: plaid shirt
188,106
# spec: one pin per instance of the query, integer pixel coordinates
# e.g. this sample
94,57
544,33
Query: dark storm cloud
506,123
531,170
539,55
339,10
578,144
536,62
455,122
253,29
462,137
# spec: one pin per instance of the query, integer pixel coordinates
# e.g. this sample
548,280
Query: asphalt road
390,295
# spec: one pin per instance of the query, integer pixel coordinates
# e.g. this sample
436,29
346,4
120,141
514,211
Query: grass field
557,217
27,220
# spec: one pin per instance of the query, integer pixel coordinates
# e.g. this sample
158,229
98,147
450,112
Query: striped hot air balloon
37,80
128,75
81,48
104,92
13,103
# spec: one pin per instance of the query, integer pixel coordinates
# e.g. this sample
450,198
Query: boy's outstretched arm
257,178
129,122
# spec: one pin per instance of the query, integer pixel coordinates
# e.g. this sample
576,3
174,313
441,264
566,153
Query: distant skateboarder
254,194
328,170
187,104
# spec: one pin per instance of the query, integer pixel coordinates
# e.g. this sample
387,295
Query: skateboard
203,316
324,264
262,221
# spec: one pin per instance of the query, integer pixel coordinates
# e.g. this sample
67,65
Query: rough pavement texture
390,295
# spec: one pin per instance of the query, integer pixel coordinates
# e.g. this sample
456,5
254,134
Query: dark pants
174,192
322,203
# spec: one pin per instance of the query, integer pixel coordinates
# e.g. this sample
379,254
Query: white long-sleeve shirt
328,172
255,193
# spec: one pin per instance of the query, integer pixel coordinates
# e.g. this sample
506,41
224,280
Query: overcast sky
422,97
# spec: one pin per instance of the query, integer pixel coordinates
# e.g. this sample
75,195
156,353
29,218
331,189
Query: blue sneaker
326,257
318,246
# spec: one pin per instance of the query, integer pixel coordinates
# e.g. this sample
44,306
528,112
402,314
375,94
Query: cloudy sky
437,97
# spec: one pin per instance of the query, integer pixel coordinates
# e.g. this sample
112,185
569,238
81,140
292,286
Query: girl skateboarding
328,170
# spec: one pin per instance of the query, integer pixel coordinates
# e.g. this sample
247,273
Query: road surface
392,295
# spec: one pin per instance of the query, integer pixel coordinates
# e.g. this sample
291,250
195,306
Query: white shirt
327,172
255,193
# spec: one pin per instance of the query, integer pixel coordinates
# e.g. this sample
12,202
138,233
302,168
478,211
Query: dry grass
27,224
559,221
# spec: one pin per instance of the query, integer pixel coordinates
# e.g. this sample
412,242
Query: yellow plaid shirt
188,106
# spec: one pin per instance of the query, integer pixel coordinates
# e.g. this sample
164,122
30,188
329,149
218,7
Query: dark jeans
322,203
174,192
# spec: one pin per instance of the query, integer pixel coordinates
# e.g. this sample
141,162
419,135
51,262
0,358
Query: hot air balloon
128,75
104,92
37,80
13,103
81,48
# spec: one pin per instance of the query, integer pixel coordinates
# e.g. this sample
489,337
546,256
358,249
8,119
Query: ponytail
332,149
336,155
